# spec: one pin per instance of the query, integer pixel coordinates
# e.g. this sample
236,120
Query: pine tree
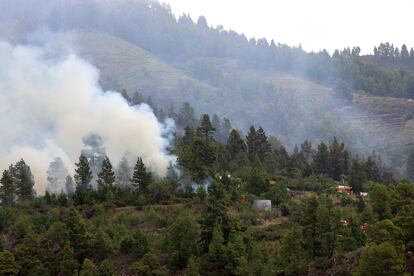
357,176
336,159
188,135
309,222
186,116
372,170
205,129
381,202
328,226
263,145
83,174
307,151
141,178
106,177
235,144
198,158
225,129
78,237
214,213
321,160
251,141
346,162
405,55
24,181
181,241
83,177
216,124
216,255
7,189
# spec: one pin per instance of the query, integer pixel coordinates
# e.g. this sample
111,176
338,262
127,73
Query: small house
344,189
262,205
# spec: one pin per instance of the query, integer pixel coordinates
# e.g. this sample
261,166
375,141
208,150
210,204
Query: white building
262,205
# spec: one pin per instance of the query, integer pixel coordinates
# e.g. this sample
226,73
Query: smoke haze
48,104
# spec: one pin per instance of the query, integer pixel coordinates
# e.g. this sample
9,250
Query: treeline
266,158
387,51
183,117
255,158
193,40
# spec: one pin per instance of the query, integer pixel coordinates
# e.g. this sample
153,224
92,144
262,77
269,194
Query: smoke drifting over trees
56,176
48,105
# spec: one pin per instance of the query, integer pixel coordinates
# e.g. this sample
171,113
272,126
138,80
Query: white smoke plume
47,104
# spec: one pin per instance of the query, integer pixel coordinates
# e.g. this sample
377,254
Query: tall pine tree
336,159
321,160
235,144
214,214
106,177
251,141
24,181
83,177
83,174
263,145
206,129
7,189
140,178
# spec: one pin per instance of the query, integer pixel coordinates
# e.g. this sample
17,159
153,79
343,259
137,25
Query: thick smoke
48,104
56,176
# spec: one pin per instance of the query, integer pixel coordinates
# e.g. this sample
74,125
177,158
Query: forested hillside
200,220
277,161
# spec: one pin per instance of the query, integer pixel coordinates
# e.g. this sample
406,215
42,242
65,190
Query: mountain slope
125,66
288,106
279,96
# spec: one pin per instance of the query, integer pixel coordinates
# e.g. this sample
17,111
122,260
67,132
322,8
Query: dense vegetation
175,226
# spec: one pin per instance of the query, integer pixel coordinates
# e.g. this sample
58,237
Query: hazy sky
316,24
